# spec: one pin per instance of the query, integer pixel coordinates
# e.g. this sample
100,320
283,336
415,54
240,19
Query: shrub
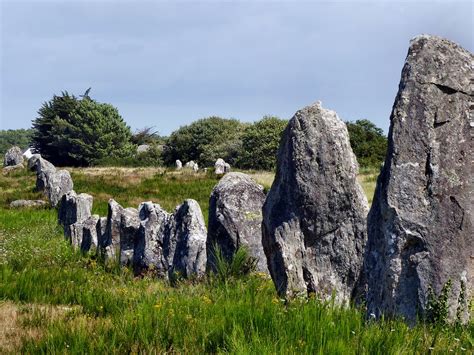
204,141
80,132
260,143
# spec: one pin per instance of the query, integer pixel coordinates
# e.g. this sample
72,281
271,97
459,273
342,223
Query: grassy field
55,300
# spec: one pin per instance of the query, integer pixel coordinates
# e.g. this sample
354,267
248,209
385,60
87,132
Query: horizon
165,65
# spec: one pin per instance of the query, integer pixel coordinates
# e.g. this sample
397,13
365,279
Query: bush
18,137
80,132
260,143
368,143
204,141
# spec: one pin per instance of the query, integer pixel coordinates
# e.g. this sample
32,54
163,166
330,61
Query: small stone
27,203
179,165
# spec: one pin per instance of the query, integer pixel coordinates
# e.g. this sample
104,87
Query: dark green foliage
260,143
437,307
204,141
18,137
368,143
152,157
146,135
80,132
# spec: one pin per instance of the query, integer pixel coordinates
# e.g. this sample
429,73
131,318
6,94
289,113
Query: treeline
79,131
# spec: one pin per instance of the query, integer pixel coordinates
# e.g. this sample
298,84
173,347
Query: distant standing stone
13,156
314,217
235,219
219,166
421,233
179,165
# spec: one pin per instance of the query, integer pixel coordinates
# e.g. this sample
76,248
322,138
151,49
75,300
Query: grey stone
74,208
235,219
27,203
27,154
226,168
314,217
38,164
192,165
101,234
74,233
10,168
129,224
421,221
13,156
185,241
110,242
148,251
219,167
89,234
179,165
143,148
57,183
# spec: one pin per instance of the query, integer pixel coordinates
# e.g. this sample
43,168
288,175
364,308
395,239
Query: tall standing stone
74,208
314,217
129,224
178,164
110,240
13,156
235,219
421,222
58,183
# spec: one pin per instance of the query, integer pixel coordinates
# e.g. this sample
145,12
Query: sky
166,64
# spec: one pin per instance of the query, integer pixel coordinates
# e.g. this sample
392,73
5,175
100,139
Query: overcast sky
166,64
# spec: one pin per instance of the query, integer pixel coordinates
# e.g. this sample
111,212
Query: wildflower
275,300
206,300
157,306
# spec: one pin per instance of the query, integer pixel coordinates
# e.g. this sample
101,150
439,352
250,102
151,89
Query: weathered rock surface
27,203
129,224
58,183
74,233
421,221
314,217
148,252
219,166
8,169
110,240
27,154
235,218
185,241
90,232
74,208
13,156
43,169
179,165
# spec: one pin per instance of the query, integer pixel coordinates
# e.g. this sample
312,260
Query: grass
55,300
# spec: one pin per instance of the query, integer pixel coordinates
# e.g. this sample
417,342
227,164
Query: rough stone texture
235,218
226,168
8,169
101,234
27,154
143,148
421,221
74,233
148,251
110,241
27,203
57,184
13,156
38,164
192,165
129,224
219,166
90,234
314,217
74,208
179,165
185,241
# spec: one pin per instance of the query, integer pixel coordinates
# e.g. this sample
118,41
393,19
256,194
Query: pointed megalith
421,233
314,217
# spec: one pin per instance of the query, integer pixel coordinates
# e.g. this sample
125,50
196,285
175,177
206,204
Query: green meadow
53,299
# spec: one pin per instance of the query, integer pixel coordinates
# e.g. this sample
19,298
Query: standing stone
27,154
421,222
235,219
13,156
129,224
74,208
219,166
89,234
57,184
38,164
101,234
314,217
195,167
148,251
110,241
179,165
226,168
185,241
74,233
191,165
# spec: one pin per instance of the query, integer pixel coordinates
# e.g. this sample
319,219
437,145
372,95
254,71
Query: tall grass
116,312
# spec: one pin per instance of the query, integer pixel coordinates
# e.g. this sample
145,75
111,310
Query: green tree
260,143
80,132
18,137
368,143
204,141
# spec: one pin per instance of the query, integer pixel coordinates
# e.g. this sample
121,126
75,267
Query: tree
260,143
80,132
204,141
368,143
18,137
